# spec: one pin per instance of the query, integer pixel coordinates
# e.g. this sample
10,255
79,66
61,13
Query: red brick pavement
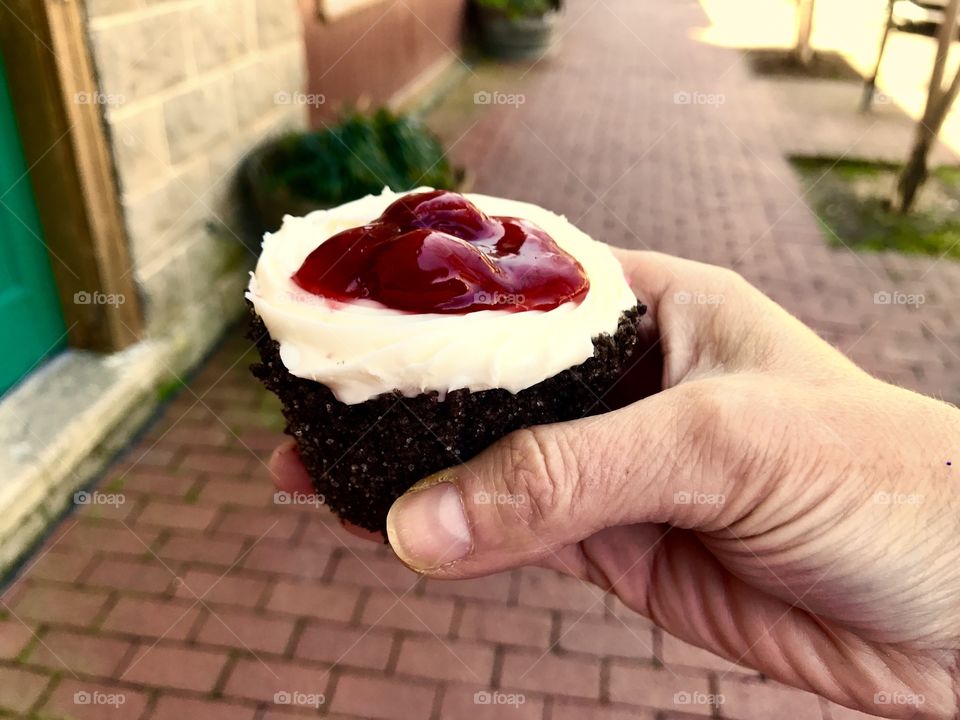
198,596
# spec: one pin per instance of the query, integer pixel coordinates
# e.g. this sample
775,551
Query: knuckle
700,410
712,279
721,419
733,279
732,288
536,471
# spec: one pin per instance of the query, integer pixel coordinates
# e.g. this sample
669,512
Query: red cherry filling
436,252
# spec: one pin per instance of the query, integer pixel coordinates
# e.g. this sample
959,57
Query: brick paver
76,699
200,597
87,654
183,668
14,638
20,689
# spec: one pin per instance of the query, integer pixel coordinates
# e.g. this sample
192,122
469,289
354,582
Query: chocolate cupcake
404,333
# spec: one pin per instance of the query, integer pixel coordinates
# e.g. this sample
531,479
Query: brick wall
188,87
377,51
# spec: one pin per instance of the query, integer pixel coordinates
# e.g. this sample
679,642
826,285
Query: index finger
289,474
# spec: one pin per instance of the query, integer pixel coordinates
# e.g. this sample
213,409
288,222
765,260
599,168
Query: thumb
545,487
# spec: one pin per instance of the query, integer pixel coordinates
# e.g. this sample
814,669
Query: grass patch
851,202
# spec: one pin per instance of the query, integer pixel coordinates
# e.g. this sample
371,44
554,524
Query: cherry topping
436,252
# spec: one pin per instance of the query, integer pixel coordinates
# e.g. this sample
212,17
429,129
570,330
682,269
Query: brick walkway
197,596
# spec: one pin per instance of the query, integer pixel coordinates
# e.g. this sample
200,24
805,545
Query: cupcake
404,333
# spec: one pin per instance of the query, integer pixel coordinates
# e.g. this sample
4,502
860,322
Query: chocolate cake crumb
362,457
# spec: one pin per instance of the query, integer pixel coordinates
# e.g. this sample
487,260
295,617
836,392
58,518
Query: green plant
515,9
849,198
358,156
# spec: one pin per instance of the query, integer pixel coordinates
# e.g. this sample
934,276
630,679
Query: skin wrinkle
659,454
833,677
541,489
727,443
743,623
779,545
762,520
831,671
955,674
783,559
682,516
561,460
630,477
849,543
718,615
650,607
595,572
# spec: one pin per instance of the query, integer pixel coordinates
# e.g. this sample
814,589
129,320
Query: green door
31,324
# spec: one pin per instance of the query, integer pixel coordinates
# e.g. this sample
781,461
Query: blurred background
149,570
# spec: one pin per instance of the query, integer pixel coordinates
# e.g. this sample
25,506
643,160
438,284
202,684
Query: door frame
51,77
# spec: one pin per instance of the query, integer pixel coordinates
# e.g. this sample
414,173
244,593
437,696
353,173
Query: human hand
773,504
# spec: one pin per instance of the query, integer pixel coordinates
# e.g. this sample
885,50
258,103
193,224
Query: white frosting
362,348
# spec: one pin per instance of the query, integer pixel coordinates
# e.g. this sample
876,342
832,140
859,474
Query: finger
655,276
702,314
650,273
546,487
289,474
693,312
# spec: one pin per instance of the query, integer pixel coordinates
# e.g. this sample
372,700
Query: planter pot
269,201
523,38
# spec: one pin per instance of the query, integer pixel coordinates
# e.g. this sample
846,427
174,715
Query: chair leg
870,85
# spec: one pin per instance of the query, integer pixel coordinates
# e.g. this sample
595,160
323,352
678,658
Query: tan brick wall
190,88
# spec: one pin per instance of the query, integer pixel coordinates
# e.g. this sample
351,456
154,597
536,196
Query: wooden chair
920,17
